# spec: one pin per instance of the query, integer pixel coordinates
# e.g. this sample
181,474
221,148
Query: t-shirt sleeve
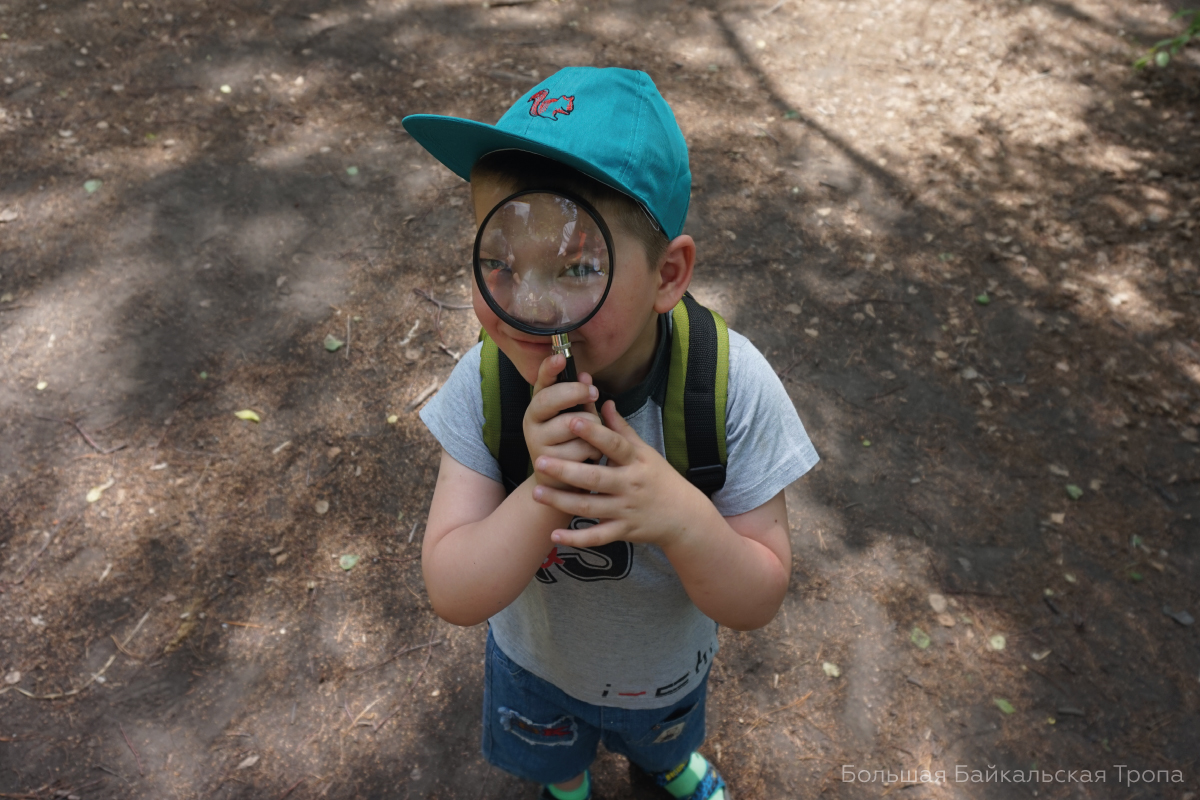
455,417
766,445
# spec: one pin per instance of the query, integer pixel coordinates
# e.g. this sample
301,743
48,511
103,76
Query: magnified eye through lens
543,261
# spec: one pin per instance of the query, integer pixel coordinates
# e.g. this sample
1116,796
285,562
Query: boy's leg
663,743
530,728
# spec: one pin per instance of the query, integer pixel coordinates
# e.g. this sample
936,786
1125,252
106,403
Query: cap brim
459,143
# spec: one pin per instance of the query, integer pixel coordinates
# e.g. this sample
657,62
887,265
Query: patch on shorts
671,734
561,732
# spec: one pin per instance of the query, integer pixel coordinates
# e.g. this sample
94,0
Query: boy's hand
638,494
547,428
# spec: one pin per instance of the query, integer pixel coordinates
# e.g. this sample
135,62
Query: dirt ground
963,232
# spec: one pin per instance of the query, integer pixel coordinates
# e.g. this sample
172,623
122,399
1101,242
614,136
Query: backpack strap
506,395
697,391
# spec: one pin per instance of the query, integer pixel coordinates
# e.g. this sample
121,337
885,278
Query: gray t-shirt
613,626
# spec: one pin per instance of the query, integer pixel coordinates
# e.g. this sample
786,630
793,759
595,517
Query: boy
602,633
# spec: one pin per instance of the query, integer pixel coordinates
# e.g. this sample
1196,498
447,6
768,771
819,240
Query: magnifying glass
544,265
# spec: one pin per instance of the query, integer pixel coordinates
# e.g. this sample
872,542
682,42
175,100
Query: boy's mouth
539,345
536,346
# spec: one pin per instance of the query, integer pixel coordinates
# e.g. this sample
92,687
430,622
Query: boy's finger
548,371
595,536
618,448
589,477
560,397
576,451
578,504
617,423
586,379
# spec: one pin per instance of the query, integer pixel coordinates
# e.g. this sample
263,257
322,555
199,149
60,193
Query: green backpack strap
697,391
506,395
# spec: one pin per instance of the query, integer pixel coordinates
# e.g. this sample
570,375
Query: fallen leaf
392,419
937,602
792,308
41,385
8,215
332,343
1074,492
1039,656
831,669
1182,617
982,299
321,506
91,186
946,620
1061,472
96,492
250,761
226,89
1003,705
351,171
920,638
247,415
12,678
1058,519
347,562
997,642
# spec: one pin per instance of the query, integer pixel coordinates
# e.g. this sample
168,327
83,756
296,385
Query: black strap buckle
707,479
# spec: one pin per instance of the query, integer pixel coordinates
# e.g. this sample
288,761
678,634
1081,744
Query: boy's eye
582,271
493,265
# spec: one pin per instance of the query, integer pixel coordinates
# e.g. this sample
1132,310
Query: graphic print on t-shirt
608,562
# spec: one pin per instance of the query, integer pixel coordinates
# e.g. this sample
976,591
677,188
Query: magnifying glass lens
543,261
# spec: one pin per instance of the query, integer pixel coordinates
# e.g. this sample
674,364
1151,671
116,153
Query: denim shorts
534,730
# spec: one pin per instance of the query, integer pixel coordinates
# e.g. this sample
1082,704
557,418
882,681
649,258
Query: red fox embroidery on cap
543,105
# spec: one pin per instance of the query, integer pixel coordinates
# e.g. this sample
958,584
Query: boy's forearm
477,569
735,580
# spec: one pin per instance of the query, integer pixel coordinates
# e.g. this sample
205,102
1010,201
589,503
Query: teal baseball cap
609,123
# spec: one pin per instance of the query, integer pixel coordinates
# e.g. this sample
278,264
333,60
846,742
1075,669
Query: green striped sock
684,784
580,792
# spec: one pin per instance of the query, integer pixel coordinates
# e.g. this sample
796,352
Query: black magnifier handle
562,344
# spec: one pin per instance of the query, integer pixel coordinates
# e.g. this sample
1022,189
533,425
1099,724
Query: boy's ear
675,272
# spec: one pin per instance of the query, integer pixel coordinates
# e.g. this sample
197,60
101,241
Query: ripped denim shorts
534,730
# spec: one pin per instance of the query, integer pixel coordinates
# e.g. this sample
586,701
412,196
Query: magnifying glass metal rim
491,301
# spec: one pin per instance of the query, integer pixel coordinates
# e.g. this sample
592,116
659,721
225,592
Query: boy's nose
533,304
